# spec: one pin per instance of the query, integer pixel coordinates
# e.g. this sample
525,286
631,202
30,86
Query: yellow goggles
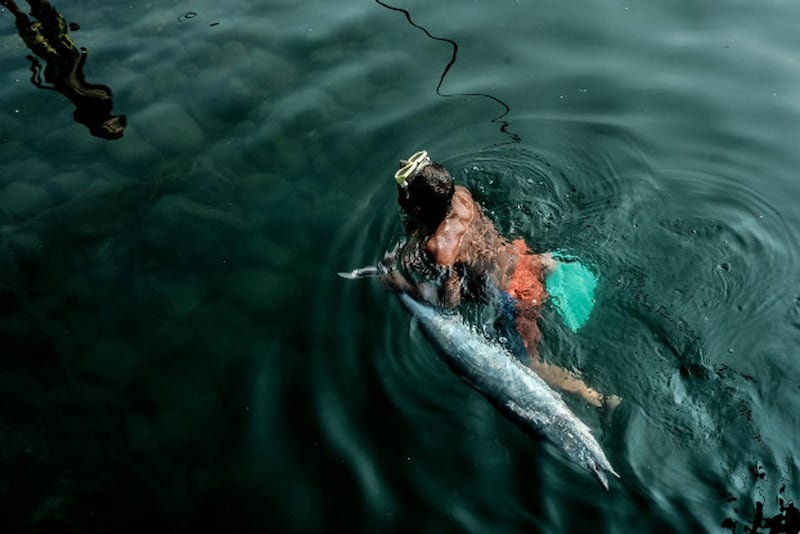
410,167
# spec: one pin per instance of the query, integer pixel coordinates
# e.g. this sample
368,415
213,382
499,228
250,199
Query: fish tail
601,477
600,473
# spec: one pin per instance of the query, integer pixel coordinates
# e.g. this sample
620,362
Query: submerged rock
72,183
21,199
140,433
259,291
260,250
271,72
179,227
132,149
185,295
112,360
173,429
27,246
168,127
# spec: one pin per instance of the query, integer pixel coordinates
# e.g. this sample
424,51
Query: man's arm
394,280
450,292
398,283
446,294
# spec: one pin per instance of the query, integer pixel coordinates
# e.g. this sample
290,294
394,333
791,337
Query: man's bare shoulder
463,193
444,245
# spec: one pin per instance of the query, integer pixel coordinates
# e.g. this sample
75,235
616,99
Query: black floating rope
504,125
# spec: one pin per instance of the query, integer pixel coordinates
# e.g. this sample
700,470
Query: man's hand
395,281
389,261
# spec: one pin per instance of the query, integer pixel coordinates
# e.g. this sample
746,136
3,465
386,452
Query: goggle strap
409,167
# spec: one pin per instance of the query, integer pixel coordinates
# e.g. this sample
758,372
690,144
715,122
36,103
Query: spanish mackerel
511,386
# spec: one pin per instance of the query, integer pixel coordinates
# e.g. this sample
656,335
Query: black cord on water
504,125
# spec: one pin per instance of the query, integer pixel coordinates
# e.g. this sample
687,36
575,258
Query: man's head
96,115
424,189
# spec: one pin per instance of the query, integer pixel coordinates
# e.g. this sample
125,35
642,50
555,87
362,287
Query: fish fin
370,271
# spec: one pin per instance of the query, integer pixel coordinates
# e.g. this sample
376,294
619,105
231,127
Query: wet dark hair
427,197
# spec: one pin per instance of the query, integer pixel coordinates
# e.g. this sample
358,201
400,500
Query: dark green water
177,350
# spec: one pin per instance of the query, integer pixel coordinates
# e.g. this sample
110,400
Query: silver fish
512,387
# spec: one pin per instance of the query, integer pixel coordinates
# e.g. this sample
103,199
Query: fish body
511,386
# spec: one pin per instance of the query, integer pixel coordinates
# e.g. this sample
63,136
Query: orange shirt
526,283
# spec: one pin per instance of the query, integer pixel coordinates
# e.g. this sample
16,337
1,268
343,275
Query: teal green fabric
571,287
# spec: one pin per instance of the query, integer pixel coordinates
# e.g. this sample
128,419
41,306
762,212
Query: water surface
177,348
